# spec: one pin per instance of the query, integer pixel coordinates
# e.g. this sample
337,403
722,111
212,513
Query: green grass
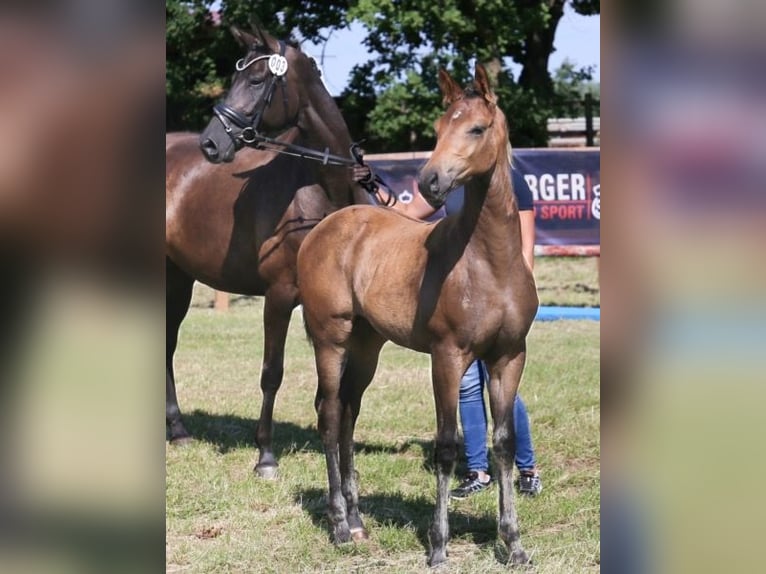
569,281
221,518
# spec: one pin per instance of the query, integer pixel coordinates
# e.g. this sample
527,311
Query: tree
414,37
200,50
570,86
392,99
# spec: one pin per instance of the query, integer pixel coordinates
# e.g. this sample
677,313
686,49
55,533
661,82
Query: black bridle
248,125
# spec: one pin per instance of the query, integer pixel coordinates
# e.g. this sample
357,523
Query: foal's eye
477,130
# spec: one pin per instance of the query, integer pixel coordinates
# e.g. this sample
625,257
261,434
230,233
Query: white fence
570,132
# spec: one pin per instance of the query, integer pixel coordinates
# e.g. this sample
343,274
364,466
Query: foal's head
471,137
265,95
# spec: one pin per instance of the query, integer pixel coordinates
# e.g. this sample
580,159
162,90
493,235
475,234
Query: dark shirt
524,198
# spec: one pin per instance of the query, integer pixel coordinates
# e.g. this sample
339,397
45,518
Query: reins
273,144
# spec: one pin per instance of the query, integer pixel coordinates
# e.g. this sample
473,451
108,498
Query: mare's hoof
267,471
181,440
359,535
520,558
437,559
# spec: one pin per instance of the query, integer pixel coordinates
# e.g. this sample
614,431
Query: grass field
221,518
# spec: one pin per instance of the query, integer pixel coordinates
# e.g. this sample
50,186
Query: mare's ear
264,38
245,39
481,84
450,90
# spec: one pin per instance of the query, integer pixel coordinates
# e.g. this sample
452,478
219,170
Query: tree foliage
570,87
414,37
200,50
393,98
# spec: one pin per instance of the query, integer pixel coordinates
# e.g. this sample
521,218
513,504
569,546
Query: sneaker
529,484
470,485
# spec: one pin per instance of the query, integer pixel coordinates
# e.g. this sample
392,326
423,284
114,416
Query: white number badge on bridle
277,64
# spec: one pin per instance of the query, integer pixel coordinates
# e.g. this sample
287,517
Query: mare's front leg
278,306
446,371
505,376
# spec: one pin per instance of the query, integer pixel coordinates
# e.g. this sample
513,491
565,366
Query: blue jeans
473,417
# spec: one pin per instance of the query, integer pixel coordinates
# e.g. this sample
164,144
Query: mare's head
471,137
265,95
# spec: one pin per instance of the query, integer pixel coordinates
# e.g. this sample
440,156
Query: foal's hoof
359,535
436,559
181,440
520,558
267,471
341,536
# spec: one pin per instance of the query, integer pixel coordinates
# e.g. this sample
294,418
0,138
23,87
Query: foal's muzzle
433,188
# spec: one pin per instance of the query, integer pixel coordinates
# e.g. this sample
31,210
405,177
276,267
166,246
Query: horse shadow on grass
228,432
396,510
231,432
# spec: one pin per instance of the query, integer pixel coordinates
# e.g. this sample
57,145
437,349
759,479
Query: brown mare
458,289
237,226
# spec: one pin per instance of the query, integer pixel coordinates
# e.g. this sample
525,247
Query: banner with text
565,185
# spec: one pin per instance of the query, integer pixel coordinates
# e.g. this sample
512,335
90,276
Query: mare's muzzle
216,144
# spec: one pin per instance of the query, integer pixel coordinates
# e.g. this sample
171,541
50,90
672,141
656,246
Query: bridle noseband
248,125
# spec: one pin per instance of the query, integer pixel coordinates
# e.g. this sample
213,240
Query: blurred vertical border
683,280
82,110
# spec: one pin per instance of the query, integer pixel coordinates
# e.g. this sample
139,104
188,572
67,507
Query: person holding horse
473,413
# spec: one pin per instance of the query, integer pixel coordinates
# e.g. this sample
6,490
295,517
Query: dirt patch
209,532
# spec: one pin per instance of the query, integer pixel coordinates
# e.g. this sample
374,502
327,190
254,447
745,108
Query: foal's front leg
446,371
504,382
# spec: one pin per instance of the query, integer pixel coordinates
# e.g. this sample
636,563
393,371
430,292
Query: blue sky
578,38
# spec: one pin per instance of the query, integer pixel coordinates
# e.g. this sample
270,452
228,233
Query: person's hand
362,173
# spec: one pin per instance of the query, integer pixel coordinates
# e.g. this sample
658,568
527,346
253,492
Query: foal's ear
450,90
481,84
245,39
264,38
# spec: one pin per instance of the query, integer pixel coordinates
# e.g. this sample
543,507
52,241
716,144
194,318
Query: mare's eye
477,130
254,81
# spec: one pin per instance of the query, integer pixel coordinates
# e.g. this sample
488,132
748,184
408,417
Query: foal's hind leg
178,287
362,361
504,382
278,305
329,361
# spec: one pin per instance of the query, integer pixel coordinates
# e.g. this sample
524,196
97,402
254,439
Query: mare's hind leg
362,361
504,382
278,306
178,287
447,369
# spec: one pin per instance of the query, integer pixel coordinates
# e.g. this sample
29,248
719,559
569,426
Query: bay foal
458,289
